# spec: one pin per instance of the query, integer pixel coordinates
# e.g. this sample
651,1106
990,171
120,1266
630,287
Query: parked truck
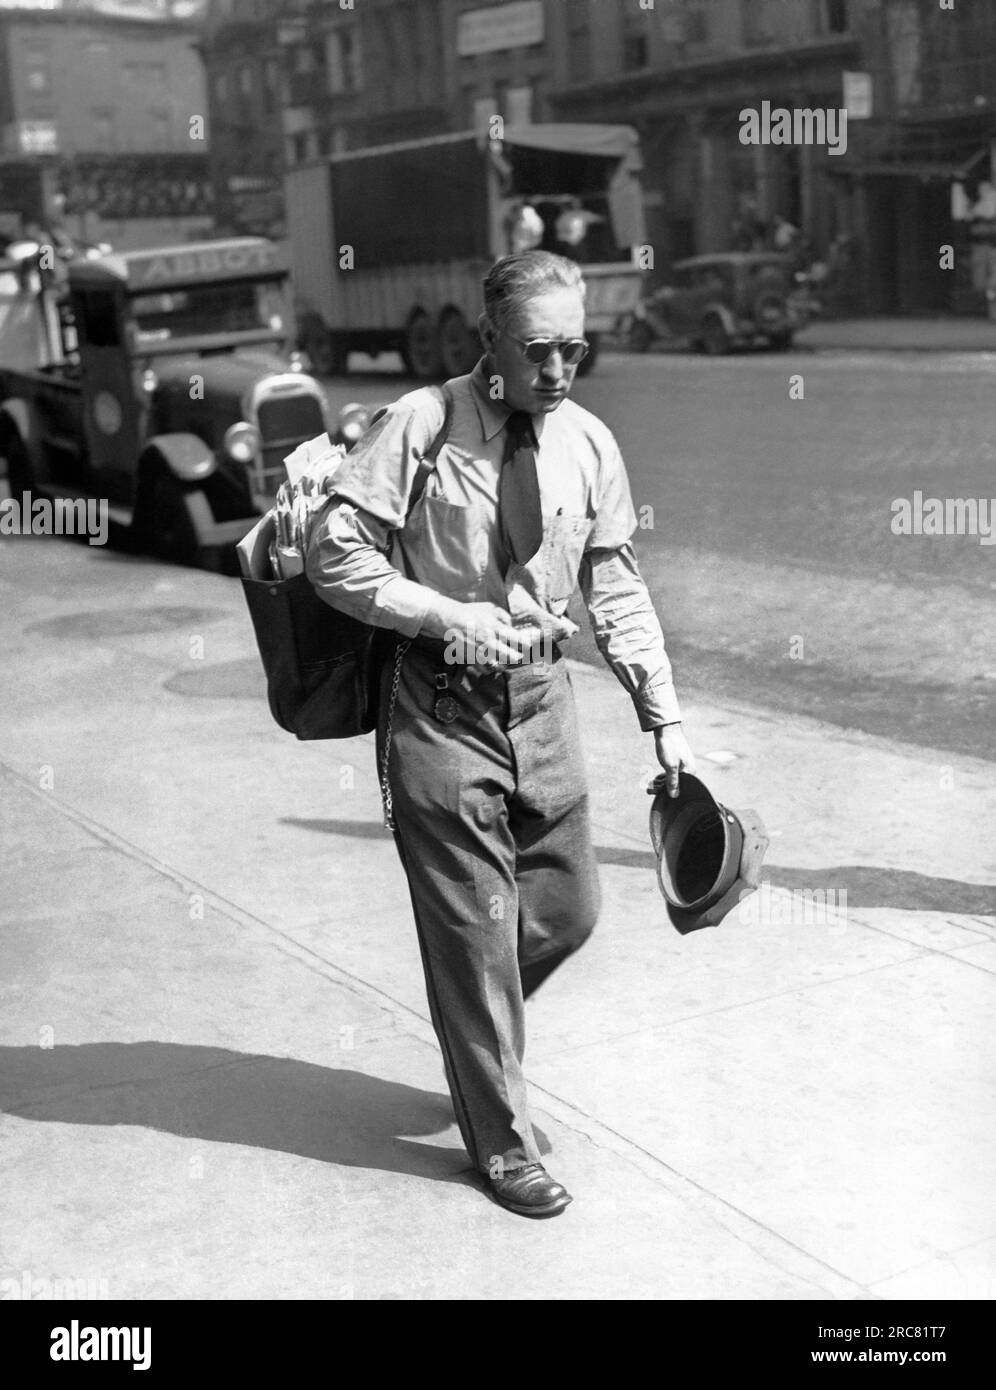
163,382
388,245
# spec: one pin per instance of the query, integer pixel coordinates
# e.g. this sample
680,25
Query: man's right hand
472,627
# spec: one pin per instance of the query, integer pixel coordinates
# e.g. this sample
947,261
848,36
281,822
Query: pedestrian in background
529,497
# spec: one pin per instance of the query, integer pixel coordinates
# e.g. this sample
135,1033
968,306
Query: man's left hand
673,754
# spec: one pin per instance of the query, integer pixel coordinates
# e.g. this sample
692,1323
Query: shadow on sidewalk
866,885
334,1115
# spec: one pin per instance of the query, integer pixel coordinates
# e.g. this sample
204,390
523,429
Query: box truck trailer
388,245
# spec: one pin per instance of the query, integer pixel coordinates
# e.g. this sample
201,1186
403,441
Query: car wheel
714,338
641,336
781,342
420,352
20,477
459,349
170,527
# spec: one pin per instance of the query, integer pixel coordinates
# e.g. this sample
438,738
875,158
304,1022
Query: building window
835,16
102,120
37,74
635,40
343,61
758,22
635,51
271,84
245,79
697,25
145,77
160,129
578,42
221,87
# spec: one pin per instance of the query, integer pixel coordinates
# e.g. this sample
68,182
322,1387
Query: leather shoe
529,1191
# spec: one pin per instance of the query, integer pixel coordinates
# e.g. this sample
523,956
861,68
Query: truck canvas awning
617,143
607,141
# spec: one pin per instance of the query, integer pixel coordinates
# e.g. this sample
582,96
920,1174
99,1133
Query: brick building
293,79
96,100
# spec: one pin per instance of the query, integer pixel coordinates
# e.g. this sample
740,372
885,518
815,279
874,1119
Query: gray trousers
491,825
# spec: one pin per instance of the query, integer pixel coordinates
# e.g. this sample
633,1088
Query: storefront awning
946,170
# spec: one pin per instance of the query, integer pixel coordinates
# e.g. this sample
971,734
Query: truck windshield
235,306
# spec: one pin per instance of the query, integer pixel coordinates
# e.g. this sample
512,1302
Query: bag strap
427,462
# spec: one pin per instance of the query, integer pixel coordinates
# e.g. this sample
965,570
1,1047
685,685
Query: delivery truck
388,245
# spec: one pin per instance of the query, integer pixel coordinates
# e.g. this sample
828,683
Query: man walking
477,737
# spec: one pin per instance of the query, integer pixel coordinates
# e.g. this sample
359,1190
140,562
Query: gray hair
516,278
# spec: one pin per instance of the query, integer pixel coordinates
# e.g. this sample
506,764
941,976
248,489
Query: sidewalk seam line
704,1198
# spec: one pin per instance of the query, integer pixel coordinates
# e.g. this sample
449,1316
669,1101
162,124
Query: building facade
99,101
291,80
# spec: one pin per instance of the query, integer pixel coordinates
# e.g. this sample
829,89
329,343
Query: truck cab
167,387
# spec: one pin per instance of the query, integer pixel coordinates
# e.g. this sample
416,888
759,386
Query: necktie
520,515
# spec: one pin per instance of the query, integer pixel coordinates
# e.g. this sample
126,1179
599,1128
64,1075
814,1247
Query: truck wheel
588,364
328,357
19,473
714,338
641,336
420,352
459,349
169,525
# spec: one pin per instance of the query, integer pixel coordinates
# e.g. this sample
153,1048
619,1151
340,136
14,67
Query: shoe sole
552,1209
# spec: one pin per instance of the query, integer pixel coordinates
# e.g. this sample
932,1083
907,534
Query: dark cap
708,857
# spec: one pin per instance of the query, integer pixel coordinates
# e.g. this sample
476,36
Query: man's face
535,388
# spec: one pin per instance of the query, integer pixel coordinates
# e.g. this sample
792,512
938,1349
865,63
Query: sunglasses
537,350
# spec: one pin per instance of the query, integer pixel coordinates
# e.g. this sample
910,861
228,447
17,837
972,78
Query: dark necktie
520,515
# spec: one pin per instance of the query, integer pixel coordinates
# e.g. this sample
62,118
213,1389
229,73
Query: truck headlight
242,442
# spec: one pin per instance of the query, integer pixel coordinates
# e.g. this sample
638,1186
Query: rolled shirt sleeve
348,566
347,555
624,622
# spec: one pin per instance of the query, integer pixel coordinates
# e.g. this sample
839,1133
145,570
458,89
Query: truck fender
725,317
185,456
16,416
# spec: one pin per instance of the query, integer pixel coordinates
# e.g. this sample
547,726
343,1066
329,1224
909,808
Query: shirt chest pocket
447,545
564,537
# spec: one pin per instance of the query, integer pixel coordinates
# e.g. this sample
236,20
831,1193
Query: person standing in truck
478,738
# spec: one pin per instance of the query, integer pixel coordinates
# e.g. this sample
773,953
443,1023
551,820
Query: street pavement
766,528
902,334
217,1077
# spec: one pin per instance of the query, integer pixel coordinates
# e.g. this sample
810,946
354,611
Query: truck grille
284,423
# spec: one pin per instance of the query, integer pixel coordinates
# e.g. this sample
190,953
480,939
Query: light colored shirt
450,546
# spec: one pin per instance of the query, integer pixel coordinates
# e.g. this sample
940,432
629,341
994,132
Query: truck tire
328,355
169,525
641,336
588,365
459,348
420,351
713,337
20,476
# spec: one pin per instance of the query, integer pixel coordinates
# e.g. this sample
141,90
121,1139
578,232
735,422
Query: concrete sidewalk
901,335
217,1078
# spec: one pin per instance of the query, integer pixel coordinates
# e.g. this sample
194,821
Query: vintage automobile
719,302
165,386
